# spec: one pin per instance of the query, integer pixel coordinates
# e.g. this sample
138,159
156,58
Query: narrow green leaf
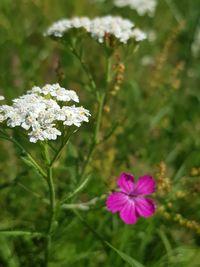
20,233
77,190
132,262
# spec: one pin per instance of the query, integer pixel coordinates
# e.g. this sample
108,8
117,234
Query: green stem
99,118
175,11
89,156
101,102
36,165
58,153
95,140
89,75
109,71
52,201
191,31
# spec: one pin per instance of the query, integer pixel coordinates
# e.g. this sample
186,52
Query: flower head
131,202
2,98
142,7
43,111
59,28
98,28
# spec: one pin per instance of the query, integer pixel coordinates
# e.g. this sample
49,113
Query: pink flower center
133,195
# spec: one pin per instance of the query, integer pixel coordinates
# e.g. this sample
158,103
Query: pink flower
131,201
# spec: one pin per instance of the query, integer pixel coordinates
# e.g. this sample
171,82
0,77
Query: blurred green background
156,114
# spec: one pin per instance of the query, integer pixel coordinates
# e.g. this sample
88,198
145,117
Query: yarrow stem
99,118
109,70
52,200
175,11
84,67
58,153
101,101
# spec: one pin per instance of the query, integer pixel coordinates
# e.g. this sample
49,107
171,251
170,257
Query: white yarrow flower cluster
59,28
99,27
2,98
142,7
42,111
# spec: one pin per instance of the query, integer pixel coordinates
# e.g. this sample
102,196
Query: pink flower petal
145,207
126,182
116,201
128,213
145,185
